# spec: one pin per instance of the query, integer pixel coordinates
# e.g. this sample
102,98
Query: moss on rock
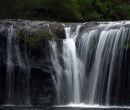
38,38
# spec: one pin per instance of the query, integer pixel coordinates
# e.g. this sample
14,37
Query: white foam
82,105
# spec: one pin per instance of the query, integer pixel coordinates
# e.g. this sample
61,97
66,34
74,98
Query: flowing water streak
27,76
70,60
71,70
49,29
47,26
97,68
57,70
67,79
102,51
86,46
117,52
17,72
10,67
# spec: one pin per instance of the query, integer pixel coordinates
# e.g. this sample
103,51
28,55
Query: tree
66,10
61,10
88,10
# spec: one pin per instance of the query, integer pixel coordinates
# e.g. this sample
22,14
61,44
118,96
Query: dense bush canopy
66,10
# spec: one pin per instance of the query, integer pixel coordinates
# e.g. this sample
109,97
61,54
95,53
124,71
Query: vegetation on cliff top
38,38
66,10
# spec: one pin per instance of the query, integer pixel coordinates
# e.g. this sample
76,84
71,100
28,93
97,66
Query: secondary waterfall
67,77
17,82
70,66
90,67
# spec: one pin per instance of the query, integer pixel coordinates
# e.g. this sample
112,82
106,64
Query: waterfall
102,49
17,72
67,78
57,69
90,67
10,67
70,66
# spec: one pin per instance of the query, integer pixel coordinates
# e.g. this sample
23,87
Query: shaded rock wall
37,49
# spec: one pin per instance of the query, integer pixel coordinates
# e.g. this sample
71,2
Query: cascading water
103,58
17,72
91,67
71,72
67,78
10,67
57,69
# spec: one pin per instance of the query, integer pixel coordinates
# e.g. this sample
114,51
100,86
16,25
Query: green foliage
127,46
60,10
38,39
66,10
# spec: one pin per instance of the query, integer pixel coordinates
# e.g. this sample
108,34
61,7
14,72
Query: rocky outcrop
34,36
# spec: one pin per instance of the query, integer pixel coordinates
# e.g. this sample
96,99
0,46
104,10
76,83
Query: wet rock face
41,85
3,55
41,88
